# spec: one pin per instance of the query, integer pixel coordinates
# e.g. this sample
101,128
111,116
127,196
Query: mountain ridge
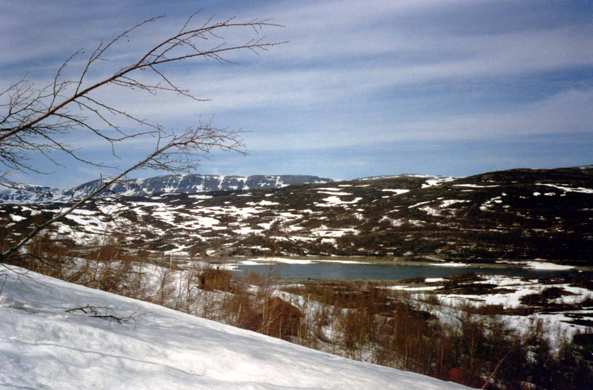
187,184
181,184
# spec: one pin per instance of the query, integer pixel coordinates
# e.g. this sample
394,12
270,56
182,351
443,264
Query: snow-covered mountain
25,193
192,184
184,184
47,341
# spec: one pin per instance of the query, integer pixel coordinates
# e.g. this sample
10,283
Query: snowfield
42,346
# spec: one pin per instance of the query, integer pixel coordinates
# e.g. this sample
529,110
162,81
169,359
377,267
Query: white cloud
565,113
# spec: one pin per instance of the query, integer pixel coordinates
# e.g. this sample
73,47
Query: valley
403,271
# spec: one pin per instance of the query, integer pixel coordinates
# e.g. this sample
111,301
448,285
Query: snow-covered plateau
49,339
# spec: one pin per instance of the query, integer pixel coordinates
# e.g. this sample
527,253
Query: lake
388,272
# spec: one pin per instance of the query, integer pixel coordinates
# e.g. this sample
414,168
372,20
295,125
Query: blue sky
364,88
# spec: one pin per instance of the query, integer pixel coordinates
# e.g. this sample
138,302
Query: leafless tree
34,120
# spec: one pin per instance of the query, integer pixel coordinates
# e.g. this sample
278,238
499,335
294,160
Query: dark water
387,272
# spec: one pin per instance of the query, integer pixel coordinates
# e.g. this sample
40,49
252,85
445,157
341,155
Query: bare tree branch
154,57
179,152
34,120
48,110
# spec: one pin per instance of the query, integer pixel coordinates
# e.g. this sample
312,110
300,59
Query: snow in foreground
44,347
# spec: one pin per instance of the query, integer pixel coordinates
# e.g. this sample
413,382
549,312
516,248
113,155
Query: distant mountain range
181,184
194,184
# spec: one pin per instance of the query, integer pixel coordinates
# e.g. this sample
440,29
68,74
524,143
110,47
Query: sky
362,88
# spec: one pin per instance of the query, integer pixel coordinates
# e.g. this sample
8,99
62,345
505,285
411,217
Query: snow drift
45,346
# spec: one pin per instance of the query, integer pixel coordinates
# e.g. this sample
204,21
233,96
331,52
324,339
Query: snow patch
396,191
547,266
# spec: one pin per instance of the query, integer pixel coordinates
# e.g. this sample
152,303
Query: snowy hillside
517,214
44,344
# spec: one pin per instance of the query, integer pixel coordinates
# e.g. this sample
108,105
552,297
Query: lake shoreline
402,261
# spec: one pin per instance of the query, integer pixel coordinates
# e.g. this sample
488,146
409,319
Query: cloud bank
356,76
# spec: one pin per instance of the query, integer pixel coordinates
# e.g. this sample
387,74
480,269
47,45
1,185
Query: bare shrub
44,255
238,307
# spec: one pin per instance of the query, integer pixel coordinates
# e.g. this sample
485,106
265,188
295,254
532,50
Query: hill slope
45,344
515,214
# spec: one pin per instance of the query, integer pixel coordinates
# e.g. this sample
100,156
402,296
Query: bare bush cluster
478,350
